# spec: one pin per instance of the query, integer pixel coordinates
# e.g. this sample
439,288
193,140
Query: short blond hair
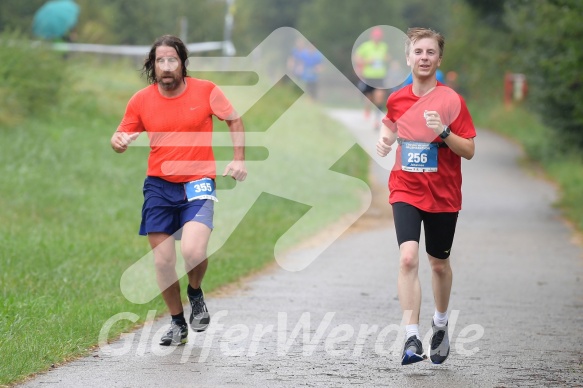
416,33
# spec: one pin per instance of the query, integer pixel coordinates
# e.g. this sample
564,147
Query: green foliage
560,161
17,15
547,34
98,22
128,21
355,17
568,173
490,12
140,22
58,221
32,78
542,39
256,19
476,52
519,124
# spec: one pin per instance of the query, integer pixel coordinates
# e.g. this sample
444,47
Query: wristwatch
445,133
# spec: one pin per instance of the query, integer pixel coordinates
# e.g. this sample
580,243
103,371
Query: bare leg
196,274
367,97
195,237
378,98
409,288
165,263
441,280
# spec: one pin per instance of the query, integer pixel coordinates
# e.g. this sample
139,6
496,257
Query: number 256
415,157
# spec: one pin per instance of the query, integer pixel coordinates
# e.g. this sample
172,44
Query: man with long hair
179,191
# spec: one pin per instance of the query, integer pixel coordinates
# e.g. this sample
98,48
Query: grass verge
561,161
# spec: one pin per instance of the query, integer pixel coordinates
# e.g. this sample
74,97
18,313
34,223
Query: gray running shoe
199,316
439,344
413,351
177,335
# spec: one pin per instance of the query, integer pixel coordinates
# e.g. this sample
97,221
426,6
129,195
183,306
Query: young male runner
434,130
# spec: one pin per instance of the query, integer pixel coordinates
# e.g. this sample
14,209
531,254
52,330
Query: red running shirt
179,128
438,191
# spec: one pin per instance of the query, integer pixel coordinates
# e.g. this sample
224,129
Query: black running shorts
439,228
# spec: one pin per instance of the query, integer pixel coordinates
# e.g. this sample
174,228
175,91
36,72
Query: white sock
412,330
440,319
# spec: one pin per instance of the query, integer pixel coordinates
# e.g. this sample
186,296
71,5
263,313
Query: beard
167,84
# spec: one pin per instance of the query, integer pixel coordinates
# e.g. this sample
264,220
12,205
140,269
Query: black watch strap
445,133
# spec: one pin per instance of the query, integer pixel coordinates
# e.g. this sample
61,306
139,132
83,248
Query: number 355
203,187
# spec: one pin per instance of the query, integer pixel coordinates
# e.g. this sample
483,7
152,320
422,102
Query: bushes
547,35
32,75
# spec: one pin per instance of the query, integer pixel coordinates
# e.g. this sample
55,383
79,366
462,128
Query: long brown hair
149,69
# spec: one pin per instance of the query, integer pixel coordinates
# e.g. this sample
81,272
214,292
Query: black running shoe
439,344
413,351
199,316
177,335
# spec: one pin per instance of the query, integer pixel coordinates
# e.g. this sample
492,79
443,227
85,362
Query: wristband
445,133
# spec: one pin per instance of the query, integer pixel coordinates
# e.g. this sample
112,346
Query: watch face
445,133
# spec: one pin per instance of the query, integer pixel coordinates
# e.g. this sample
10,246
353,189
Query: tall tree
490,12
17,15
256,19
548,35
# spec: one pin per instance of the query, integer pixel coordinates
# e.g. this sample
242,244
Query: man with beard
179,191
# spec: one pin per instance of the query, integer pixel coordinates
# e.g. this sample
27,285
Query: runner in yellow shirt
371,59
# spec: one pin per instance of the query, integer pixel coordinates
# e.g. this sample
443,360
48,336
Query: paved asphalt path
516,314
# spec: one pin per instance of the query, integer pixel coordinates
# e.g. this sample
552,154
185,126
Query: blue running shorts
166,208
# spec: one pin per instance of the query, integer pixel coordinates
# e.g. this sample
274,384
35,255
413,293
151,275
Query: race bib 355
201,189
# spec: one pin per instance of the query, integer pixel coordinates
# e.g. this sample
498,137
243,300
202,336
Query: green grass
560,161
70,208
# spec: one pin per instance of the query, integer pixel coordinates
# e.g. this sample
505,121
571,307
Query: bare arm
386,139
459,145
236,168
462,147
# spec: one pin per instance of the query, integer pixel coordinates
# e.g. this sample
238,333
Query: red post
515,88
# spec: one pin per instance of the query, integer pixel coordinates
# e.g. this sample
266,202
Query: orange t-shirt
179,128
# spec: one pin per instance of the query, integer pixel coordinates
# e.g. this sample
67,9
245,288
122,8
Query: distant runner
372,61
